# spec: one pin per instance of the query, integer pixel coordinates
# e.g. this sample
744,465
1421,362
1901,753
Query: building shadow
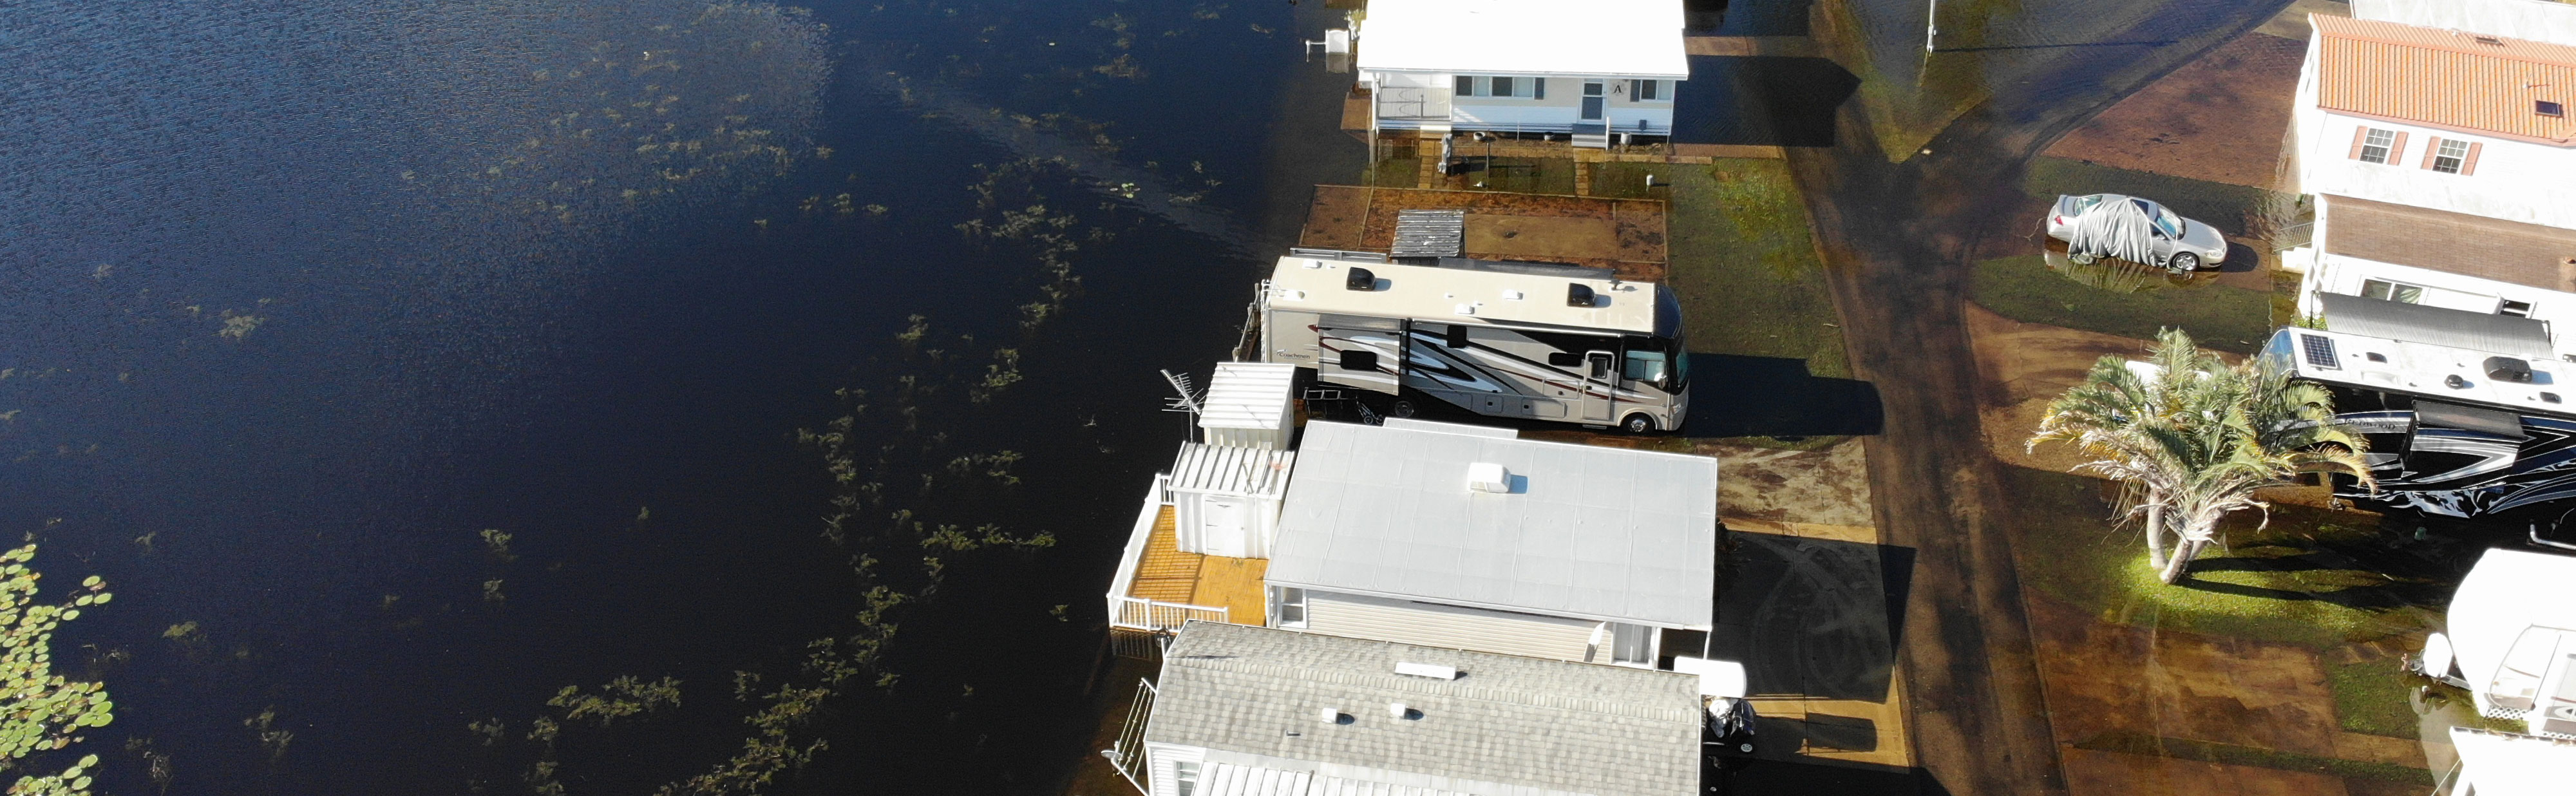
1765,777
1746,396
1811,617
1760,100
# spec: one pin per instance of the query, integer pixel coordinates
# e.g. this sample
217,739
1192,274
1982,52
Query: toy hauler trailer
2468,421
1535,341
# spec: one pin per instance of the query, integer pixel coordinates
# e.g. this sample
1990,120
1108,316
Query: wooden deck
1165,574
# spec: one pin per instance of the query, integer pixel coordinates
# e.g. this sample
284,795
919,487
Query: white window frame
2393,290
1638,89
1633,645
2450,155
1482,86
1283,598
2385,141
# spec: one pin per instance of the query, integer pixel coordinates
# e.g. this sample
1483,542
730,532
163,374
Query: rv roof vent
2508,369
1514,295
1360,279
1466,309
1427,670
1578,295
1488,477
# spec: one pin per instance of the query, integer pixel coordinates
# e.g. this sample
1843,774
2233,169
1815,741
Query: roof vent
1578,296
1488,477
2490,40
2508,369
1431,670
1332,716
1360,279
2547,108
1401,710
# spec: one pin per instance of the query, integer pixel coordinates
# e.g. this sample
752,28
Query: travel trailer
2466,414
1537,341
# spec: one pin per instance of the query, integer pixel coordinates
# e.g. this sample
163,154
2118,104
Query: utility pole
1931,24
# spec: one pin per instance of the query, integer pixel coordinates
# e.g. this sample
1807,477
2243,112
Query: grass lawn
2311,577
2371,697
2219,317
1622,180
1746,269
1401,171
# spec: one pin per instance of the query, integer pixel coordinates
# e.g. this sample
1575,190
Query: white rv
1539,341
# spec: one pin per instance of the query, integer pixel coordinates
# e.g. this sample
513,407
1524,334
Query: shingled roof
2443,78
1506,720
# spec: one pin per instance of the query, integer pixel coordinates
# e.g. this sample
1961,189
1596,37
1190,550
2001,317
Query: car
2134,229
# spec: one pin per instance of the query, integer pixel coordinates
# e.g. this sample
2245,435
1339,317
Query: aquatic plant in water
41,711
622,697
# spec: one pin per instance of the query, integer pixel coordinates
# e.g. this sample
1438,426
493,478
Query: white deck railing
1137,613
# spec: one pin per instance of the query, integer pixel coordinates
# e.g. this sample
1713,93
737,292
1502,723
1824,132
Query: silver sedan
2134,229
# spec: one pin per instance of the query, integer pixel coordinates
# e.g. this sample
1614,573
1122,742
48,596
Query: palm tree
2192,438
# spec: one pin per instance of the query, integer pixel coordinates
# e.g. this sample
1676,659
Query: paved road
1897,241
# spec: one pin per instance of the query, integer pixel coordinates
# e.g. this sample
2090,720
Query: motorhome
2466,415
1537,341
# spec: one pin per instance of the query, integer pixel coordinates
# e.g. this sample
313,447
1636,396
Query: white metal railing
1137,613
1127,754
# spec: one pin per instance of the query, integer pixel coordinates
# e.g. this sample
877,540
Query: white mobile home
1467,537
2465,122
1590,69
2438,258
1247,711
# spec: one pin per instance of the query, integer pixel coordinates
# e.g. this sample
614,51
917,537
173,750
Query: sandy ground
1822,487
2222,118
1623,234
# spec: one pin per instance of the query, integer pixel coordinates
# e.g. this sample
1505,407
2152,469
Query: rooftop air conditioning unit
1431,670
1489,477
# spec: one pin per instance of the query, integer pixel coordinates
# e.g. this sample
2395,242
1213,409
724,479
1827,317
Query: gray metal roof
2397,320
1589,532
1578,727
1231,468
1429,233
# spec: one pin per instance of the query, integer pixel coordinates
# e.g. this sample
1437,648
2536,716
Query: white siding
2514,180
2344,275
1448,626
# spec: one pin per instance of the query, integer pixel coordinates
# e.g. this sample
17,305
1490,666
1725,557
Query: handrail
1138,613
1137,539
1127,753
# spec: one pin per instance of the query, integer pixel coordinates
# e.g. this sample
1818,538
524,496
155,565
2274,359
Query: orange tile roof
2444,78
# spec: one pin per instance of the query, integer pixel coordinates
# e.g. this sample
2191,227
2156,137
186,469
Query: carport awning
2416,323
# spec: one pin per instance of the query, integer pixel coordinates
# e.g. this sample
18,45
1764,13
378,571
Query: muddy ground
2223,118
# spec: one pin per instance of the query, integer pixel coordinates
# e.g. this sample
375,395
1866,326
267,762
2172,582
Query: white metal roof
1255,697
2422,368
1460,295
2508,592
1247,395
1232,469
1499,432
1621,38
1587,532
2510,764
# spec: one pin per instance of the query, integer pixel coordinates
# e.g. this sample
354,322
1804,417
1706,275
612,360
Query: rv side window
1600,364
1359,360
1564,359
1645,366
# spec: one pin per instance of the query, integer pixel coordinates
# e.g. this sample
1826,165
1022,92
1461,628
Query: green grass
1400,171
2371,697
2220,317
2214,203
1746,269
2069,548
1623,180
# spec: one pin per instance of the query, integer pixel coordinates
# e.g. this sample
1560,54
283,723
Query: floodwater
303,298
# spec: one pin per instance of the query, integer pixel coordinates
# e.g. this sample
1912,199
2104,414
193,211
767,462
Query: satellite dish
2437,656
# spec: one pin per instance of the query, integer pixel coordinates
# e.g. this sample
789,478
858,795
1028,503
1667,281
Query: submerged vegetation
44,711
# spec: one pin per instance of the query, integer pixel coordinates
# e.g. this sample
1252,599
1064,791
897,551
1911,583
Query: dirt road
1897,240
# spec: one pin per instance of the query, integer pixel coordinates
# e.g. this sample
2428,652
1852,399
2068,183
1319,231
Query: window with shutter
2378,146
2470,165
2447,155
2432,147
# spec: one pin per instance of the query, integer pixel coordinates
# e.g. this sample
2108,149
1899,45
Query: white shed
1247,405
1225,498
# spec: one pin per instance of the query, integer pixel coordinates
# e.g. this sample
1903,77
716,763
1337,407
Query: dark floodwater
301,297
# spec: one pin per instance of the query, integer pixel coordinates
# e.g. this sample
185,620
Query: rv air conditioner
2509,369
1360,279
1578,295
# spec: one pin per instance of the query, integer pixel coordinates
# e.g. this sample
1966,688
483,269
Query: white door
1600,385
1224,527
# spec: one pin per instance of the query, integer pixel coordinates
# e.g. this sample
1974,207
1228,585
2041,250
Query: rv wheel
1402,408
1637,424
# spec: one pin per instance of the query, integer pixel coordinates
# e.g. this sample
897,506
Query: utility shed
1507,545
1245,710
1226,498
1247,404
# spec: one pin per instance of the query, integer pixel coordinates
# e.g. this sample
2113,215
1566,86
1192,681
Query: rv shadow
1746,396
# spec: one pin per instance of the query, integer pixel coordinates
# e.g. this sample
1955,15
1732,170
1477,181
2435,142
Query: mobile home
1536,341
1590,71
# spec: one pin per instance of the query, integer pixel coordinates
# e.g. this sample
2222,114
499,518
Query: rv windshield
1660,361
